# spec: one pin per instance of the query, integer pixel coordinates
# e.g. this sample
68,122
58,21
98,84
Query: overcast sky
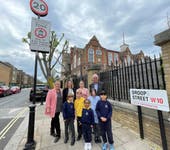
140,20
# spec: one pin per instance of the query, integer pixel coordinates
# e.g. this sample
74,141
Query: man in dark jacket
98,85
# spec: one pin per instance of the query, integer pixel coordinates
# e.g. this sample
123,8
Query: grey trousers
69,126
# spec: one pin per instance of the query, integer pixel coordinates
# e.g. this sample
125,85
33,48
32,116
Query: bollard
30,145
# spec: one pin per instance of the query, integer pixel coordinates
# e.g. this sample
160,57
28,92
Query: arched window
90,55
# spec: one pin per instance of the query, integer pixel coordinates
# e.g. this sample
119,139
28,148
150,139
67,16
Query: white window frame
90,52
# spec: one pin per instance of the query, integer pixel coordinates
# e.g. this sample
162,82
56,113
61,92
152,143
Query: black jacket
65,93
100,87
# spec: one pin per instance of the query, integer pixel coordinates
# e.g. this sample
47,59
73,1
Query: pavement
124,138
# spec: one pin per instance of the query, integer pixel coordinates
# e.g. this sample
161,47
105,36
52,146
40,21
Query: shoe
104,147
85,146
65,140
53,134
89,146
79,137
72,142
56,139
97,140
111,147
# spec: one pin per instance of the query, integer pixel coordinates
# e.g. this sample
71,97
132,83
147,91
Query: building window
91,55
98,52
115,58
110,59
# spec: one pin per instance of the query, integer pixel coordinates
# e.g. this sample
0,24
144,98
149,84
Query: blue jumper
68,110
104,109
87,116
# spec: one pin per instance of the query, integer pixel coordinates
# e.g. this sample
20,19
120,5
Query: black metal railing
146,74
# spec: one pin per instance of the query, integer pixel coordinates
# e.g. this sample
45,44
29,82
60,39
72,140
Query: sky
139,20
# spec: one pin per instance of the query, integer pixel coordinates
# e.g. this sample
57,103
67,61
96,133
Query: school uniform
104,109
93,102
78,105
87,120
69,116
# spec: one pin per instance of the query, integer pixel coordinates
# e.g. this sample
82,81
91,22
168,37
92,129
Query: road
13,109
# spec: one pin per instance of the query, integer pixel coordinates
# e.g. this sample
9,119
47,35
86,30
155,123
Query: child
87,121
69,116
104,113
78,105
93,100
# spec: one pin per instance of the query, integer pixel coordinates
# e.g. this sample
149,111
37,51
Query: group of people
90,108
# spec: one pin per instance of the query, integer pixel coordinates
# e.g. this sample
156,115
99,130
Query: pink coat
51,101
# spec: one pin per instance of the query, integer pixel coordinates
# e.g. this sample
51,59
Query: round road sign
40,33
39,7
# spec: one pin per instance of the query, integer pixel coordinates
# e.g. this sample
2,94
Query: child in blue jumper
104,113
69,116
87,122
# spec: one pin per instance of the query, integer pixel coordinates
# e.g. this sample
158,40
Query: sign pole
40,8
162,130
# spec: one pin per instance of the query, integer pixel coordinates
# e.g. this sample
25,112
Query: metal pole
30,137
162,130
139,107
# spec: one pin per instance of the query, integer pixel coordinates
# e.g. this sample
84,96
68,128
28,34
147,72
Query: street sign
39,7
154,99
40,35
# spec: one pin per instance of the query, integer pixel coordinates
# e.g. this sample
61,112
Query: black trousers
55,124
87,131
106,131
69,126
79,126
96,130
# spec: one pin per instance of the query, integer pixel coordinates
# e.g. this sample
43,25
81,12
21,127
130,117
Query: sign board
39,7
40,35
154,99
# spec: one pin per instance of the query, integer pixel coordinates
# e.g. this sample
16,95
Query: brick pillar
91,70
163,40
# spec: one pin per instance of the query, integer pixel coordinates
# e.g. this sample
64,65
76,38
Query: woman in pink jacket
85,91
53,108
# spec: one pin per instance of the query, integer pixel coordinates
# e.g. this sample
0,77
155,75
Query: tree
48,62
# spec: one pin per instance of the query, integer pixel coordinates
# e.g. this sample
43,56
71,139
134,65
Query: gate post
163,40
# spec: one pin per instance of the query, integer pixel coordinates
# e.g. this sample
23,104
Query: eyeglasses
78,93
69,96
103,94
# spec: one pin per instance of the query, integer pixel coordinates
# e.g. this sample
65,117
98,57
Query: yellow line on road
11,123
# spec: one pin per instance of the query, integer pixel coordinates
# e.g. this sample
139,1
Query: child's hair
86,101
70,95
91,91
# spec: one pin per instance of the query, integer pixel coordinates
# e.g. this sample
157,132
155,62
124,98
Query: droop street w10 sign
40,35
154,99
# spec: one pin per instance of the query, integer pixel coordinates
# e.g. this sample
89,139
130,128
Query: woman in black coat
69,89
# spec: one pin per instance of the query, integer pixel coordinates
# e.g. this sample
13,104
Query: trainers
65,140
89,146
85,146
72,142
104,147
56,139
111,147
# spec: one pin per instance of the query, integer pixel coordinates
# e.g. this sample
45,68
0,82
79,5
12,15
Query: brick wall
151,125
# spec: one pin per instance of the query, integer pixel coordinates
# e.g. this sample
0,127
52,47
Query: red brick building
95,54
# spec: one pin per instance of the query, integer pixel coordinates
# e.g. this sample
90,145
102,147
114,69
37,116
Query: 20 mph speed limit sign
40,35
39,7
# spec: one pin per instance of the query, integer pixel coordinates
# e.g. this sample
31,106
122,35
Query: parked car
41,92
4,90
15,89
